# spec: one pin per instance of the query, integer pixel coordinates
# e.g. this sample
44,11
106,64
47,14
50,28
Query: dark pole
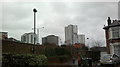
88,44
34,10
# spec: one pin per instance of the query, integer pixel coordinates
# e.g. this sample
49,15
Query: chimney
109,21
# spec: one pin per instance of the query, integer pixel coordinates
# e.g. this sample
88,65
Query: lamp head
34,10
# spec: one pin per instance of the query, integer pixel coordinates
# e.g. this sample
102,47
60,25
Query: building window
24,38
115,32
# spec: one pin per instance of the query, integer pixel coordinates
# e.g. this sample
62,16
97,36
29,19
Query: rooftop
113,24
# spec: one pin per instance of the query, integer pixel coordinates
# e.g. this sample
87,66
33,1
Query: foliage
60,58
50,52
61,51
23,59
64,57
56,52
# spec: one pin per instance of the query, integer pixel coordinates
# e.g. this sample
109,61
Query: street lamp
88,44
38,30
34,10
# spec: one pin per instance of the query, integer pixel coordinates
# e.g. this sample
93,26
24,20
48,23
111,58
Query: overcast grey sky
90,17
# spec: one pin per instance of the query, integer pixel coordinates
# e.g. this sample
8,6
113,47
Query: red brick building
77,45
112,32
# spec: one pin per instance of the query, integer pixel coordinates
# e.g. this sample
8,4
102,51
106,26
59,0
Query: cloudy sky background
90,17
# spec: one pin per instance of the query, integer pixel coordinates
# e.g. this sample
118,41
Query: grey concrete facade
51,39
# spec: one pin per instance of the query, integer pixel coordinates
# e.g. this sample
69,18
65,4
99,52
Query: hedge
56,52
23,60
61,58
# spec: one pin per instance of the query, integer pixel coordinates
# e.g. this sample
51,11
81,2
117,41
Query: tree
97,43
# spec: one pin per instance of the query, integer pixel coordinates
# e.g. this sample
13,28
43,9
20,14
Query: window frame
114,32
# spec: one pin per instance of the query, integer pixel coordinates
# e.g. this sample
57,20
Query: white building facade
115,35
29,38
81,39
71,36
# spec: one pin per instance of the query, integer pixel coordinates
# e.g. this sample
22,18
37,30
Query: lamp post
34,10
88,44
38,31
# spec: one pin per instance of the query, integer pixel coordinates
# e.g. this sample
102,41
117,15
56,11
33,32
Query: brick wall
20,48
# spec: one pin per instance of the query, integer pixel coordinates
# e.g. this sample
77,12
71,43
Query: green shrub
23,59
64,57
50,52
56,52
60,58
38,60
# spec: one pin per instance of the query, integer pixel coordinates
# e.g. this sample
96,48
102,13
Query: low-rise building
51,39
29,38
112,32
12,39
103,50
